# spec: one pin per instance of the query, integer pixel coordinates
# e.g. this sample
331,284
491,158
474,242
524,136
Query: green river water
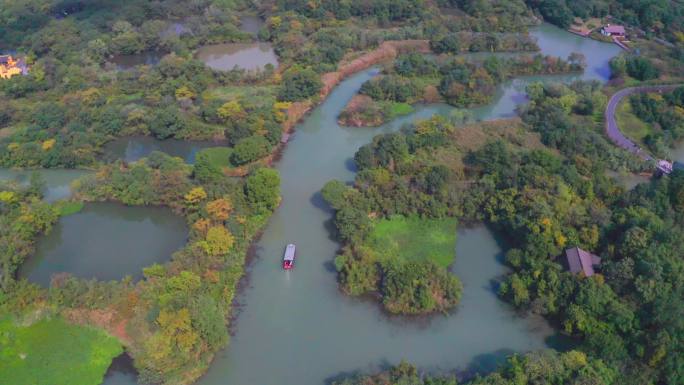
296,327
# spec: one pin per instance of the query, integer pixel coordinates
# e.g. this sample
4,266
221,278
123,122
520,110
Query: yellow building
10,67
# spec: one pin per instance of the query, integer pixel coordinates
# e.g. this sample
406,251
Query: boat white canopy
289,253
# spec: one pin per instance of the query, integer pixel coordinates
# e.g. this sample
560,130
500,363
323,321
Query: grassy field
633,127
400,109
218,156
415,239
52,352
258,94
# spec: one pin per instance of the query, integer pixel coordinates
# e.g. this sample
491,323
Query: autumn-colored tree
218,241
220,209
280,110
184,92
231,110
195,196
201,226
176,337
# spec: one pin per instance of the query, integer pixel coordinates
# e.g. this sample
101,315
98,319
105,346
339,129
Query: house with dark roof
613,30
581,261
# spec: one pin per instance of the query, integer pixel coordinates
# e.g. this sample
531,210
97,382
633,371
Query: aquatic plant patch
54,352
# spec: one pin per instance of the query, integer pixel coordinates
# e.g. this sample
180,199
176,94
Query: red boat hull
287,265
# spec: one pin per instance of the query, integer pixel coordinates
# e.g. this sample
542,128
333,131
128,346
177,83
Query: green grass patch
259,95
69,208
217,156
52,352
400,109
415,239
633,127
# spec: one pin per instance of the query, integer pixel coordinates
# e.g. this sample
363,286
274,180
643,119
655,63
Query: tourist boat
288,258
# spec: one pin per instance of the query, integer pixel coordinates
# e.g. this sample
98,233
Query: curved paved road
612,129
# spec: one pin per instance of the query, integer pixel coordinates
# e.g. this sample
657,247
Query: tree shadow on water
329,224
485,363
382,366
320,203
350,165
121,371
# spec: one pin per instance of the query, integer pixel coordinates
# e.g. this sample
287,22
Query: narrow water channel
133,148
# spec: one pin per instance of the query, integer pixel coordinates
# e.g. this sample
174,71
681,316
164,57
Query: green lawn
261,95
217,156
52,352
400,109
415,239
633,127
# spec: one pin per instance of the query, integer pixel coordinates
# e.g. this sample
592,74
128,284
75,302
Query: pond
248,23
57,181
106,241
134,148
558,42
247,56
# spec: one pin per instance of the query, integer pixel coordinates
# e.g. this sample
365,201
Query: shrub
299,84
641,68
250,149
165,123
263,189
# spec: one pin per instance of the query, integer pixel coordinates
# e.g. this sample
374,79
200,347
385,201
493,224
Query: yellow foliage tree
184,92
90,95
231,110
280,110
195,196
218,241
275,21
574,359
8,197
220,209
176,332
48,144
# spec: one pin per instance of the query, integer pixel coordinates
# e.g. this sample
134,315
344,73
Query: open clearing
415,239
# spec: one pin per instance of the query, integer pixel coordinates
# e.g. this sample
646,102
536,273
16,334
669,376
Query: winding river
297,328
